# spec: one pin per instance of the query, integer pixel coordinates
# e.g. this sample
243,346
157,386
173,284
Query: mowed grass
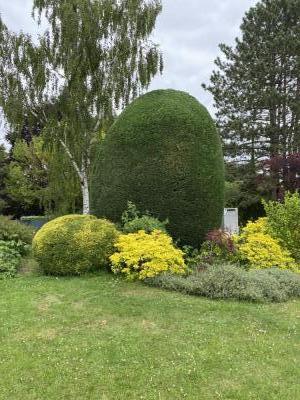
101,338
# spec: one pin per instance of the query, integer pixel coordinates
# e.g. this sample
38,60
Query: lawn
98,337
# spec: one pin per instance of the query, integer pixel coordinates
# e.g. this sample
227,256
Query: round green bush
74,244
164,154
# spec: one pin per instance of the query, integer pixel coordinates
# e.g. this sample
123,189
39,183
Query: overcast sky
189,32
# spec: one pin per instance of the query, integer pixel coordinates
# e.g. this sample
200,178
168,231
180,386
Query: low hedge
233,282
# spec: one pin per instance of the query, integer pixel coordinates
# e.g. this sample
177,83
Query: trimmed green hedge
164,154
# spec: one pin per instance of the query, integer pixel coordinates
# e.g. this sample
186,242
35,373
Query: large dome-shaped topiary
164,154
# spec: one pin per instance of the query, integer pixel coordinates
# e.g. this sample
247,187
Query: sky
188,31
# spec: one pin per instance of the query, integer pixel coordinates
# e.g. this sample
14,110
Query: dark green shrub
15,230
74,244
10,259
133,221
164,154
232,282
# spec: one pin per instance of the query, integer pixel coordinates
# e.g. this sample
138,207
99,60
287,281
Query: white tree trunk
83,176
85,192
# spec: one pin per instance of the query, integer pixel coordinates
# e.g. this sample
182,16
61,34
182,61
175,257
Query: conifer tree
256,86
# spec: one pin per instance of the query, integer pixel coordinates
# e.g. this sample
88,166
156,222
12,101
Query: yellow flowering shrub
144,255
259,250
258,226
74,244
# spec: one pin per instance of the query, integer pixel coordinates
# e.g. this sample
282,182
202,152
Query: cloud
188,31
17,15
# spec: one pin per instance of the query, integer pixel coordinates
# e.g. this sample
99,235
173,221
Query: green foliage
27,177
3,173
232,193
164,154
63,195
232,282
209,253
219,245
74,245
10,259
11,230
193,258
255,89
133,221
40,179
217,248
93,57
145,223
244,190
143,255
130,213
255,85
284,222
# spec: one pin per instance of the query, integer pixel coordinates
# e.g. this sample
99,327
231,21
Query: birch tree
94,57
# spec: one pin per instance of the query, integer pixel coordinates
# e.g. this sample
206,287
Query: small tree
94,57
